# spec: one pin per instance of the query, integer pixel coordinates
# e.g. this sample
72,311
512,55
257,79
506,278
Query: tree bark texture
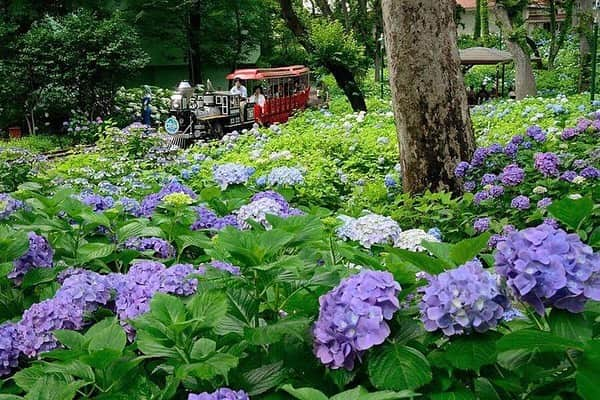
584,23
524,78
428,92
477,27
342,74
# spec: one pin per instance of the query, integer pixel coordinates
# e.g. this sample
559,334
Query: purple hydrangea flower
536,133
8,205
262,204
161,248
225,266
220,394
496,191
462,300
517,139
96,202
579,164
512,175
488,179
207,219
461,169
590,173
569,133
583,124
352,317
482,224
546,266
176,280
9,351
86,289
481,197
231,174
131,206
285,176
520,203
547,164
511,150
495,148
479,156
568,176
526,145
545,202
552,222
469,186
39,255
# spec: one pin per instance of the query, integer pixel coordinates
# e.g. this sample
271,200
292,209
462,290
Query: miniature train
203,115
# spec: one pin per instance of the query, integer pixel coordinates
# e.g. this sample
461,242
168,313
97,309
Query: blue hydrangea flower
207,219
568,176
469,186
176,280
461,169
536,133
546,266
520,203
352,317
263,204
496,191
481,224
8,206
38,255
389,181
289,176
161,248
261,181
462,300
231,174
590,173
86,289
225,266
220,394
96,202
131,206
436,233
488,179
481,196
9,351
547,163
512,175
511,150
544,203
479,156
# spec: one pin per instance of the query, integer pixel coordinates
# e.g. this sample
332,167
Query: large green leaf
471,352
569,325
571,212
398,367
202,348
304,393
422,261
485,390
588,372
208,308
152,346
264,378
360,393
38,276
530,339
92,251
132,229
468,249
167,309
106,335
275,332
71,339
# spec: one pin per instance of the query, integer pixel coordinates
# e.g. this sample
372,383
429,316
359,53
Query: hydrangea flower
546,266
352,317
481,197
9,352
96,202
285,176
151,202
479,156
469,186
520,203
220,394
512,175
389,181
161,248
262,204
38,255
511,150
462,300
481,224
590,173
131,206
544,203
231,174
569,133
8,205
177,199
411,239
436,233
568,176
547,163
176,280
225,266
369,230
488,179
207,219
496,191
536,133
461,169
86,289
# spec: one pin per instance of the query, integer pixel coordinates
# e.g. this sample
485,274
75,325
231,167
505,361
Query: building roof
471,4
484,56
269,73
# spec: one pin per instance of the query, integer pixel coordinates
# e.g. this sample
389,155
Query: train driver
238,88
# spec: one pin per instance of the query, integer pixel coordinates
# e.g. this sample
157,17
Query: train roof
269,73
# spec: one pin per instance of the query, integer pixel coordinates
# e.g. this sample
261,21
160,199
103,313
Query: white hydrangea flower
579,180
412,238
575,196
257,211
369,229
539,190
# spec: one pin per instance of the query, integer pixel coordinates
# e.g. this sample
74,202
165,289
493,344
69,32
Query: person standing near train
238,88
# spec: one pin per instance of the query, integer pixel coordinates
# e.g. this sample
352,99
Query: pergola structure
486,56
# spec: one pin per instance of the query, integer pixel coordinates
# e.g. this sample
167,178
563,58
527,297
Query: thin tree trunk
524,78
477,28
343,76
584,23
429,97
558,39
194,63
324,7
485,19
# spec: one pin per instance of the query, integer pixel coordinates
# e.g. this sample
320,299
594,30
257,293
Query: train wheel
217,129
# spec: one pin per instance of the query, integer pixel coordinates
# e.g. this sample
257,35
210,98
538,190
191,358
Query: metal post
594,60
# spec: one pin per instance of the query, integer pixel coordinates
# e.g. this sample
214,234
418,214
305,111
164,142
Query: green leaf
398,367
304,393
264,378
360,393
167,309
485,390
14,246
152,346
50,388
130,230
92,251
38,276
471,352
422,261
27,378
218,364
195,239
531,339
202,348
588,371
468,249
209,308
106,335
569,325
275,332
463,395
571,212
71,339
440,250
10,397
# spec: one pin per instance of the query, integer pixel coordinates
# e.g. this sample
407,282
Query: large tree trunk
343,76
524,78
429,97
